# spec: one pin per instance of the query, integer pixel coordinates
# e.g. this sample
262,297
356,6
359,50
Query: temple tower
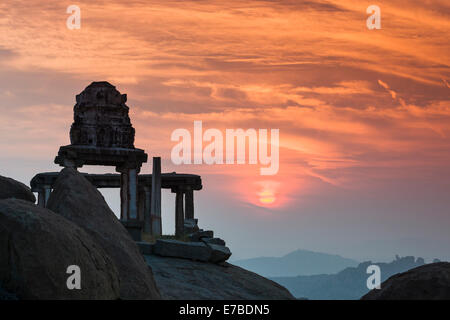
102,134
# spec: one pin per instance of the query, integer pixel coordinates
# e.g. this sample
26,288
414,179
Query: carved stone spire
101,118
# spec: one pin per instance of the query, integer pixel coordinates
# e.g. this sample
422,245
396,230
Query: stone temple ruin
102,134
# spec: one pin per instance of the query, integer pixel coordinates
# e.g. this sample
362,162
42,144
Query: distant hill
300,262
348,284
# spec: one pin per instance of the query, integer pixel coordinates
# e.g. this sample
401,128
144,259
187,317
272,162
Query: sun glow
267,196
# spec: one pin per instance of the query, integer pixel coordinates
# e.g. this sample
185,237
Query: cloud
391,92
6,55
194,39
446,83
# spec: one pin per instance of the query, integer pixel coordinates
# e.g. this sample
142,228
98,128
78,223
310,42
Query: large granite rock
186,279
76,199
10,188
428,282
36,248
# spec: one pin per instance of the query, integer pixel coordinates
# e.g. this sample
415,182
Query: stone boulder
76,199
216,241
36,248
10,188
199,235
187,250
218,253
197,251
182,279
427,282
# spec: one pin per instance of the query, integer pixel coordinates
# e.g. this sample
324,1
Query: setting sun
267,194
266,197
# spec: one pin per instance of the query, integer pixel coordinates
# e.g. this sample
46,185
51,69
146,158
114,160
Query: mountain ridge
295,263
348,284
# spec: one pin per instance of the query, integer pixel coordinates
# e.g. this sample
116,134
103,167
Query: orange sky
358,110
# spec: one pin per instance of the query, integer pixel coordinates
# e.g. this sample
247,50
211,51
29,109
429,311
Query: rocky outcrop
76,199
199,235
197,251
36,248
216,241
219,253
428,282
185,279
10,188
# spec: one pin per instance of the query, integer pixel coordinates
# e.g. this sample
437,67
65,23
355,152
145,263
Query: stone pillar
141,203
43,195
146,202
189,205
179,212
128,195
41,198
156,223
129,202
